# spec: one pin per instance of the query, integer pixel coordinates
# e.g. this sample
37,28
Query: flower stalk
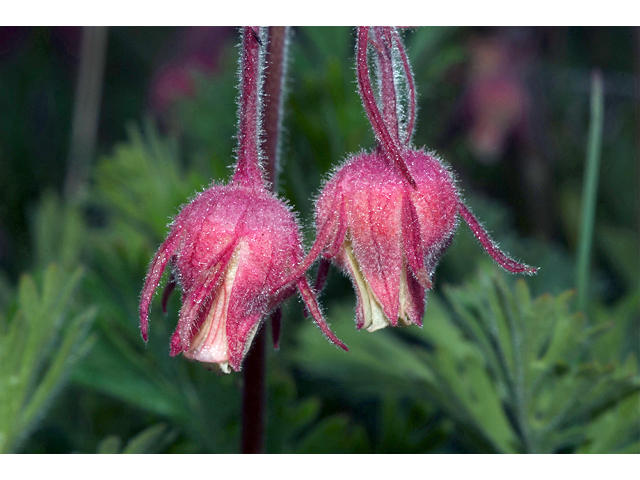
253,387
232,246
248,170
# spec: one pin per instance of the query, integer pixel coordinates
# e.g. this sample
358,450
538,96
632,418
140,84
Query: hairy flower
385,234
232,249
386,217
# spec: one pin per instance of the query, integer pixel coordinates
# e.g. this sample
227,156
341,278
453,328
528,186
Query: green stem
86,111
590,190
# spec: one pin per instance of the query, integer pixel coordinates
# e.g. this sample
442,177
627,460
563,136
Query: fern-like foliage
40,342
516,374
143,181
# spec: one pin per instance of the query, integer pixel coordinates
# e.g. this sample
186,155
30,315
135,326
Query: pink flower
385,218
228,248
497,102
385,234
194,51
231,250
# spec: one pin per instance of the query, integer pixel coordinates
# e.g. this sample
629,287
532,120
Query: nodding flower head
231,249
386,217
387,235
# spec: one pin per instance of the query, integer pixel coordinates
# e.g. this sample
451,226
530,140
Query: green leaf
144,182
58,231
40,344
515,373
110,445
150,440
336,434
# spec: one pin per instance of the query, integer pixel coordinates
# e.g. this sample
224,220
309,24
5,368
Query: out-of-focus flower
497,102
231,248
386,217
197,51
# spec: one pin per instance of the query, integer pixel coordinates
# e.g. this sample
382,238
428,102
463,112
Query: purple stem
253,398
388,98
385,140
410,85
248,171
274,81
253,392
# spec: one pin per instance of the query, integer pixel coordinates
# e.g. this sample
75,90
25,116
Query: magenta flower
232,249
386,217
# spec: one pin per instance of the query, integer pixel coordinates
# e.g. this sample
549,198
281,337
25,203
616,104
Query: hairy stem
248,171
410,87
253,393
385,140
386,83
274,83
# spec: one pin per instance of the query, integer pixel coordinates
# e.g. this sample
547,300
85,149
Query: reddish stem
274,80
248,171
385,140
253,398
388,97
253,392
410,85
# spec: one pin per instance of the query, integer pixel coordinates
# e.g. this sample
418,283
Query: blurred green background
502,364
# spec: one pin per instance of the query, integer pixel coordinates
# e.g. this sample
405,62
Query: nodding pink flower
386,217
232,248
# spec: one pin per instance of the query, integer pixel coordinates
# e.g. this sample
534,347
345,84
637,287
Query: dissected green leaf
59,232
516,373
39,347
143,181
